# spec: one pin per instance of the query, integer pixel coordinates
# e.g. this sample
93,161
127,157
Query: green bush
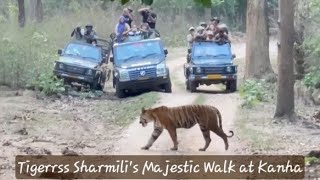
252,92
48,84
312,79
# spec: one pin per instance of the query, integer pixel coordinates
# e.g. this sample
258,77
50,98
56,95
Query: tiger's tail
220,118
220,123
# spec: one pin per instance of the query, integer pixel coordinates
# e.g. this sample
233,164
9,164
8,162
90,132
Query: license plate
143,78
214,76
71,76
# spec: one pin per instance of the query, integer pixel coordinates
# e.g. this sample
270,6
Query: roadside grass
311,160
199,100
253,125
124,112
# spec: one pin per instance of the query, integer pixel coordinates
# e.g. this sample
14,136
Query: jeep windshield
86,52
138,53
210,52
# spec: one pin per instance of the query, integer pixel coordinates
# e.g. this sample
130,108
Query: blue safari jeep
140,65
210,63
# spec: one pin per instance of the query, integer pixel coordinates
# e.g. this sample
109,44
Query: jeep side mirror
166,51
60,51
233,56
188,59
189,51
112,36
111,59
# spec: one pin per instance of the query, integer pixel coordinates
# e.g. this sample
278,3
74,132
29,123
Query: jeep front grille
148,73
73,69
214,70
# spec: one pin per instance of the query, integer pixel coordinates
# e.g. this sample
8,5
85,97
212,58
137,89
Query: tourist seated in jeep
144,28
200,34
210,36
134,34
190,37
89,34
122,29
221,37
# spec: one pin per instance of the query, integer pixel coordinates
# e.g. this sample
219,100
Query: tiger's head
146,117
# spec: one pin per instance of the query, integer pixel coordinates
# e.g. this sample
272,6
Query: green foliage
48,84
252,92
312,79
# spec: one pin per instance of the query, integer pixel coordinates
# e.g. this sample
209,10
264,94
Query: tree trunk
257,46
301,14
21,16
32,10
285,98
39,11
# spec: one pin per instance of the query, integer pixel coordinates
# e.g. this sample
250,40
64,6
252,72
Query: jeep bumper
143,84
213,78
74,77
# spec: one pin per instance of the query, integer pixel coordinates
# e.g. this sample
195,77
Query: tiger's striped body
171,118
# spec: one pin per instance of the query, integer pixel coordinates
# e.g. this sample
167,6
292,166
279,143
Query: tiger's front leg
154,136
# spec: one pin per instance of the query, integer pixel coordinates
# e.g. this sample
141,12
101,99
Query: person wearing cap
200,34
203,24
89,34
190,37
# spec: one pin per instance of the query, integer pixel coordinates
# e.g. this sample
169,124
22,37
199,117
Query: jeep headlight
198,70
60,66
161,69
191,70
89,72
123,75
229,69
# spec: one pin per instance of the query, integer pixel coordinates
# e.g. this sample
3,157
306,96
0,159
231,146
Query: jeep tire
231,86
187,85
120,92
192,86
168,87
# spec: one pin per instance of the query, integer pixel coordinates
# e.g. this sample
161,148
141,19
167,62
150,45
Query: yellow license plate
143,78
214,76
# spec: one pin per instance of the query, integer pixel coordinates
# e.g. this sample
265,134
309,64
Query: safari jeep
140,65
82,64
209,63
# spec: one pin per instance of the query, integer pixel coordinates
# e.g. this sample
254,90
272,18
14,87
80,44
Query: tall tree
285,97
36,10
301,14
21,16
257,45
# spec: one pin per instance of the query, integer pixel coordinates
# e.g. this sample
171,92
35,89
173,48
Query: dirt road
190,140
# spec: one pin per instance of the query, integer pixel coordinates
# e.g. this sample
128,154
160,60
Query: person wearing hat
89,34
190,37
203,24
200,34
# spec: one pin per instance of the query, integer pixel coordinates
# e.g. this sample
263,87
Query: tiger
170,118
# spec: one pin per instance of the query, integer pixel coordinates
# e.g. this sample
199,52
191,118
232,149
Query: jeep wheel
120,92
168,88
192,86
187,85
231,86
